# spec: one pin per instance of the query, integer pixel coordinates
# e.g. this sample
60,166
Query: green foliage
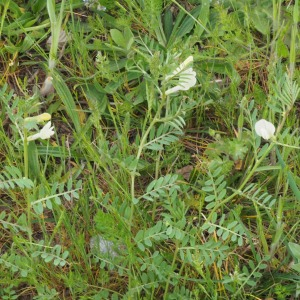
286,93
295,250
125,40
181,293
226,229
12,178
105,213
230,148
249,275
215,187
15,264
55,256
8,293
68,100
145,238
254,193
57,192
163,187
45,293
185,22
111,226
164,135
21,223
207,254
258,15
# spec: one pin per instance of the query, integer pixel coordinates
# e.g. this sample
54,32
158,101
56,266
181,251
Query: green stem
285,145
260,228
279,226
139,153
294,37
26,167
157,164
26,175
172,268
55,31
133,176
248,177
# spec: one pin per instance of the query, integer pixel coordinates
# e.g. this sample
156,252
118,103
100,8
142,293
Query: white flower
186,77
264,129
45,133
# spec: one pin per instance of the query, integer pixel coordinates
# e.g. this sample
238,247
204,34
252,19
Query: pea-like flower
264,129
186,77
45,133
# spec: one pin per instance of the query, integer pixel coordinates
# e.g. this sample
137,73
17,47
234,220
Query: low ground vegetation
149,149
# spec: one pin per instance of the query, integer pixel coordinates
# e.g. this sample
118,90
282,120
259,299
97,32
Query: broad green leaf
203,18
56,261
118,38
24,273
33,161
282,49
184,24
38,208
48,258
62,263
35,254
210,205
141,247
210,198
129,38
295,249
65,254
225,235
168,23
49,204
260,21
208,188
67,99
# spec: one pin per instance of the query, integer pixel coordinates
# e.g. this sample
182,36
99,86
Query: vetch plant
186,77
264,129
45,133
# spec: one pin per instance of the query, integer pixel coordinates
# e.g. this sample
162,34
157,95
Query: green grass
186,200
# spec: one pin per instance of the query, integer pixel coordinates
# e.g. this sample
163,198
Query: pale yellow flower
38,119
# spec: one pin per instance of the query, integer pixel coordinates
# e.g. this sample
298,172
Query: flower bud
38,119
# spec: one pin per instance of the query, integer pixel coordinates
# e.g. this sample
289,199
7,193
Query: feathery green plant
107,209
